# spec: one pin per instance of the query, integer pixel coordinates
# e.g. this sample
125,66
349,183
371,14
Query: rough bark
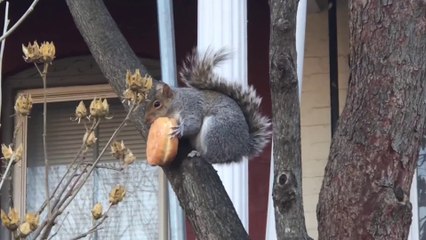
287,188
197,185
375,148
206,206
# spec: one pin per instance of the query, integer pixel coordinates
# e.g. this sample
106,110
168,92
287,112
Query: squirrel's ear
167,91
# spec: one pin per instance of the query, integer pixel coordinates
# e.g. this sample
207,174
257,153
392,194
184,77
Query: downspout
334,71
171,217
300,49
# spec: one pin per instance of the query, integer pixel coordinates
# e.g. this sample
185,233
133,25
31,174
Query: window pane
135,218
421,193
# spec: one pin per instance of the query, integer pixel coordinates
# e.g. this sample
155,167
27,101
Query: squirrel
221,119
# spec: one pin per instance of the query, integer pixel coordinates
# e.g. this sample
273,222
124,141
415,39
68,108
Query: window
137,217
418,199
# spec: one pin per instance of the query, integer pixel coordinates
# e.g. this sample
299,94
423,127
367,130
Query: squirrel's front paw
194,153
177,131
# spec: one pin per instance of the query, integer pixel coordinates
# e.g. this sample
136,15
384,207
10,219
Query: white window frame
414,228
66,94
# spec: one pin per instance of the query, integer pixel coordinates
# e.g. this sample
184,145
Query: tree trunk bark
287,188
196,183
374,151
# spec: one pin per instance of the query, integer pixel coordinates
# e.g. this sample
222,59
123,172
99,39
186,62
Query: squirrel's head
160,104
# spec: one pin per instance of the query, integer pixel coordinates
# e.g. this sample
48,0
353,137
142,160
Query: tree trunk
196,183
287,188
374,151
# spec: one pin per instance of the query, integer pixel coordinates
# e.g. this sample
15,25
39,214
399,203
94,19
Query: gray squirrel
221,119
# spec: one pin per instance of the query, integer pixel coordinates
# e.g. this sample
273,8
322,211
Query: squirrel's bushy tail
197,72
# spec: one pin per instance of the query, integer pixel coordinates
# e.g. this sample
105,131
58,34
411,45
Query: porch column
223,23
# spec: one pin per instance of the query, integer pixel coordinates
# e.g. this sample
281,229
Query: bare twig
72,175
122,124
74,190
96,227
3,42
80,151
18,127
26,14
46,161
59,227
12,159
6,173
119,169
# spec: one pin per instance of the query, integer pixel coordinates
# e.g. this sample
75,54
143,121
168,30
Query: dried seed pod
11,220
105,107
134,81
7,151
47,52
117,194
118,149
137,87
80,111
129,158
23,105
99,108
25,229
31,52
89,139
33,219
97,211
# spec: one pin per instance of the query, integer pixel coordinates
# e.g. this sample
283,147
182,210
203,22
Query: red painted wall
51,21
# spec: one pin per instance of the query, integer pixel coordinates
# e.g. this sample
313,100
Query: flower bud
137,87
99,108
6,151
31,52
134,81
11,220
129,158
147,82
89,139
97,211
47,52
33,219
118,149
25,230
117,194
133,97
105,107
23,105
80,111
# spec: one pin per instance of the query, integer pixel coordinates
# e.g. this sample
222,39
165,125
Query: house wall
315,103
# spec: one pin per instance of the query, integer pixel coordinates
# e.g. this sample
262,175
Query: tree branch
3,42
287,186
16,25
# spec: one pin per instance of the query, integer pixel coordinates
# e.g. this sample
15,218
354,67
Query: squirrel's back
197,72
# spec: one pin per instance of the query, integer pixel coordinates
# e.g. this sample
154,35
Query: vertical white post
172,221
300,49
223,24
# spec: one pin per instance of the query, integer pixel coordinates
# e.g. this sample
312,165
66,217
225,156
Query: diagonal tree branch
199,189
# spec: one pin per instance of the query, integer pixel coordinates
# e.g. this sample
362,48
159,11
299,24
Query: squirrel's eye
157,104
